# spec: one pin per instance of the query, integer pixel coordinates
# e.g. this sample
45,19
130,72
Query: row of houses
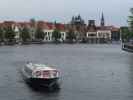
90,32
46,27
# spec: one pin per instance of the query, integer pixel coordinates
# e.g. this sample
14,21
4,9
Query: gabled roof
8,23
60,26
45,25
51,26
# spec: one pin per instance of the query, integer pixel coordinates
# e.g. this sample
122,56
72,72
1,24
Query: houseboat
41,75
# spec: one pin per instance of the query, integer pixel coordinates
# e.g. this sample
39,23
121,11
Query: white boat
40,75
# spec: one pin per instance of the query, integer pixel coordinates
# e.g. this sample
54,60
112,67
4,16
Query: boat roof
39,67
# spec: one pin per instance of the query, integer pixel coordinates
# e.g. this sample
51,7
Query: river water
89,72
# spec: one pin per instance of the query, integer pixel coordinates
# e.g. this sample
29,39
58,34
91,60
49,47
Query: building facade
102,33
90,33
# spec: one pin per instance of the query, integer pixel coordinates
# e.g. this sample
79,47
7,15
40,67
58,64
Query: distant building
78,25
90,33
102,20
48,29
102,33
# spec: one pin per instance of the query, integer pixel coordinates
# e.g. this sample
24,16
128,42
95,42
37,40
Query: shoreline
52,43
127,47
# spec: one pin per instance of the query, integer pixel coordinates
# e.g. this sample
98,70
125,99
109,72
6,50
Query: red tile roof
50,25
60,26
8,23
40,24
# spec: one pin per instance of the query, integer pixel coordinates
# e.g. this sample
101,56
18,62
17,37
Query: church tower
102,20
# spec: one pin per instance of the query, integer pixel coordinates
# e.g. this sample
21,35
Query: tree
25,35
9,33
33,22
130,20
125,34
33,28
39,34
56,35
1,34
71,36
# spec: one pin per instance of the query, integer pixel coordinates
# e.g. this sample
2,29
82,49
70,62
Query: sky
116,12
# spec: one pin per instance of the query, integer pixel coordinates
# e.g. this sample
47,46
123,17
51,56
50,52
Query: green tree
33,28
1,34
9,33
71,36
25,34
56,35
125,34
39,34
33,22
130,20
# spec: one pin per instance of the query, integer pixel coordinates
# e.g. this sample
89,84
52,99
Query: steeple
102,20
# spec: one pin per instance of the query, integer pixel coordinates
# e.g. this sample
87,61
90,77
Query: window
91,34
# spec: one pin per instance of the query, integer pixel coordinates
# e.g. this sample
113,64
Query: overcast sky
115,11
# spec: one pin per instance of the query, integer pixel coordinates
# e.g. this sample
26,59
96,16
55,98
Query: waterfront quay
127,47
89,72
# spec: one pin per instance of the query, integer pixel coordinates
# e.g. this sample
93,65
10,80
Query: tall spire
102,20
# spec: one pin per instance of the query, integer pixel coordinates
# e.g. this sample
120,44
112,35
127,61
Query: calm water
89,72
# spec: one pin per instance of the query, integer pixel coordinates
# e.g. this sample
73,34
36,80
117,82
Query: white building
105,34
63,36
50,27
48,35
17,33
91,34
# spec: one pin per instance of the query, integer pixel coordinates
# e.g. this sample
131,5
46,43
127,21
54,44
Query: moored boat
41,75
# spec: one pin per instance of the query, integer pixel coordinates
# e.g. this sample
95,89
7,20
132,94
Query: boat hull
42,82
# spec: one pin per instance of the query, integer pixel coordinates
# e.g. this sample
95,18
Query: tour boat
40,75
